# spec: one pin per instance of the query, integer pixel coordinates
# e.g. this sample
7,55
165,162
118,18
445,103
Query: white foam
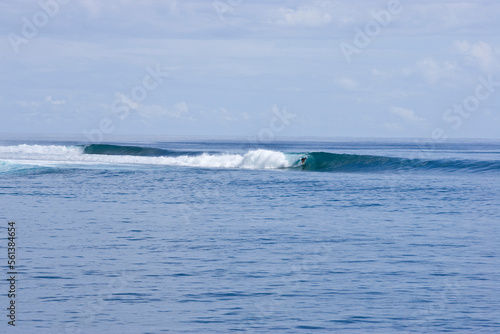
29,151
56,154
264,159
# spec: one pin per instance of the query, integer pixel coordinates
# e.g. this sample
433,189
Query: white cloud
49,99
180,110
39,103
25,104
434,71
304,16
481,54
405,71
226,115
347,83
406,114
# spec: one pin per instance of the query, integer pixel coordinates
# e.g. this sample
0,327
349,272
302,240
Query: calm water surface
223,236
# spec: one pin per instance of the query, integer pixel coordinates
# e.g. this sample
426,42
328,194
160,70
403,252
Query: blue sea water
217,236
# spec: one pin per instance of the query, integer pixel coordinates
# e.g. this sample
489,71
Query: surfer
303,160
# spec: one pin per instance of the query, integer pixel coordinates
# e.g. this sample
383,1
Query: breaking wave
14,157
114,154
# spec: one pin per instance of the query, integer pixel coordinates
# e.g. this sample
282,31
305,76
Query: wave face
132,150
323,161
20,157
349,162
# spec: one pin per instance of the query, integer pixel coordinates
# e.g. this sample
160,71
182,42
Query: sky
261,68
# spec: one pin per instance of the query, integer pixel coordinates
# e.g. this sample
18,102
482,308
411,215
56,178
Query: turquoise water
226,236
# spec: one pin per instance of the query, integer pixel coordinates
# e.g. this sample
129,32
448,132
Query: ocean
214,235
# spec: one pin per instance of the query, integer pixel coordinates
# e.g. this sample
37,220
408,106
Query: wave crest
114,154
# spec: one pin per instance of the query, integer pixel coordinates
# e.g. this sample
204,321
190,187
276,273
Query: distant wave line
106,154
